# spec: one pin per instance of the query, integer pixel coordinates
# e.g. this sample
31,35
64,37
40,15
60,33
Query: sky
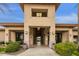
66,13
11,13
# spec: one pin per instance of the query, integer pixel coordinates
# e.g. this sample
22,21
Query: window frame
42,11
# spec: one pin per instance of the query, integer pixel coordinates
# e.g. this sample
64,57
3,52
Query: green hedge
12,47
66,49
75,53
2,49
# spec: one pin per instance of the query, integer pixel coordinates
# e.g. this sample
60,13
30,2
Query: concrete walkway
38,51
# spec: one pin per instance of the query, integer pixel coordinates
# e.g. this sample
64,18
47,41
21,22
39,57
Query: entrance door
38,33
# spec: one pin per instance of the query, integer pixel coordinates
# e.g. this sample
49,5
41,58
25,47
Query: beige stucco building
15,32
39,23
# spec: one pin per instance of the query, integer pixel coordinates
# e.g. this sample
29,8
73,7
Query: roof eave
56,4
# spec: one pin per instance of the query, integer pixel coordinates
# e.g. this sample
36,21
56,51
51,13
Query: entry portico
39,16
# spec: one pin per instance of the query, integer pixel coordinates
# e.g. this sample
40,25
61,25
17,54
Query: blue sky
66,13
11,13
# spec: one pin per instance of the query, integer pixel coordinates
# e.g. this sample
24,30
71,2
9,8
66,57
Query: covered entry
61,36
19,36
16,35
39,34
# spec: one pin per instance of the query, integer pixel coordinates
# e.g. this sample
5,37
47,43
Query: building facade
15,32
39,21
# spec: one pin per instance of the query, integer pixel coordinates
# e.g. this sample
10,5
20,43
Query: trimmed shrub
75,53
12,47
65,49
19,42
2,49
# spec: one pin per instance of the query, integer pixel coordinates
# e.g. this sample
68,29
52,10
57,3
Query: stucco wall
12,36
7,32
65,37
39,21
2,36
75,32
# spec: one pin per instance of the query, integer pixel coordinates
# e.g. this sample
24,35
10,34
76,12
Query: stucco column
31,37
70,35
65,37
52,37
6,35
12,37
46,37
26,36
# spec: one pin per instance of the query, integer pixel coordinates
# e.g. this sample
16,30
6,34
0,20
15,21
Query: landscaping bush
12,47
65,49
2,49
75,53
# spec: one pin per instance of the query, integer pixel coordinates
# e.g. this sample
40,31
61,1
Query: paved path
38,51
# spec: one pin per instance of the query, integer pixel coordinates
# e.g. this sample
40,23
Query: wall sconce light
7,34
48,33
52,33
38,28
26,32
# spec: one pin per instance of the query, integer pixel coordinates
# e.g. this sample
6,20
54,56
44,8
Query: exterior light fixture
7,34
48,33
26,32
38,28
52,33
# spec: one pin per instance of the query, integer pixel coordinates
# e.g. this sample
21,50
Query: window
75,38
39,12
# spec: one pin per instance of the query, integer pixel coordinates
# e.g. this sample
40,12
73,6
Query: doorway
38,33
58,37
20,37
